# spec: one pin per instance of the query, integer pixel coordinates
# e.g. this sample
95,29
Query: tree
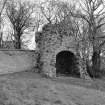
94,14
2,3
20,16
48,9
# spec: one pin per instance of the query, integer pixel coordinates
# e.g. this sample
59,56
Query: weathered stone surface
49,44
17,60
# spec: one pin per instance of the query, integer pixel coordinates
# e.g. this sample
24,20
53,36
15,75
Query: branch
26,20
98,4
101,19
101,37
77,26
3,6
100,12
80,16
100,46
48,19
100,25
11,17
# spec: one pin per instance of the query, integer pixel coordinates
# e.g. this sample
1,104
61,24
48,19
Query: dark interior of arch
66,63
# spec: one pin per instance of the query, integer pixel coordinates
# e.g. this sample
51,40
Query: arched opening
66,63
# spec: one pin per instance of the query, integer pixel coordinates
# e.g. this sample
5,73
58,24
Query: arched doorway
66,63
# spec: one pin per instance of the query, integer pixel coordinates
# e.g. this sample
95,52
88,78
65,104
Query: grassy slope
26,88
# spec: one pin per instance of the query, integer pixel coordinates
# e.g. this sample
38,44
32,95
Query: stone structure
52,41
49,44
13,61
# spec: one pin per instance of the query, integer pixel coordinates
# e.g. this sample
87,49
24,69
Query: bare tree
48,10
2,3
19,14
83,49
93,12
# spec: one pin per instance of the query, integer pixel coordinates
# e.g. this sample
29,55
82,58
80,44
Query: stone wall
49,44
17,60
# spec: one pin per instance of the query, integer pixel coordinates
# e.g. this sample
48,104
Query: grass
27,88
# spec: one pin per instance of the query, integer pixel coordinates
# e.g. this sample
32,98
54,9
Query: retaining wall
16,60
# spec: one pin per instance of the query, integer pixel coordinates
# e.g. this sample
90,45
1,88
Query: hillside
27,88
18,87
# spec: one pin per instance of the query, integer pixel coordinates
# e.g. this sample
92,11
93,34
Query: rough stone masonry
49,43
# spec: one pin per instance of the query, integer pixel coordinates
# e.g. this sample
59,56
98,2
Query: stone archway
66,63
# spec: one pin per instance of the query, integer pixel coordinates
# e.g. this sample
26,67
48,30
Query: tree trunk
83,68
17,45
17,42
0,42
96,62
0,34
